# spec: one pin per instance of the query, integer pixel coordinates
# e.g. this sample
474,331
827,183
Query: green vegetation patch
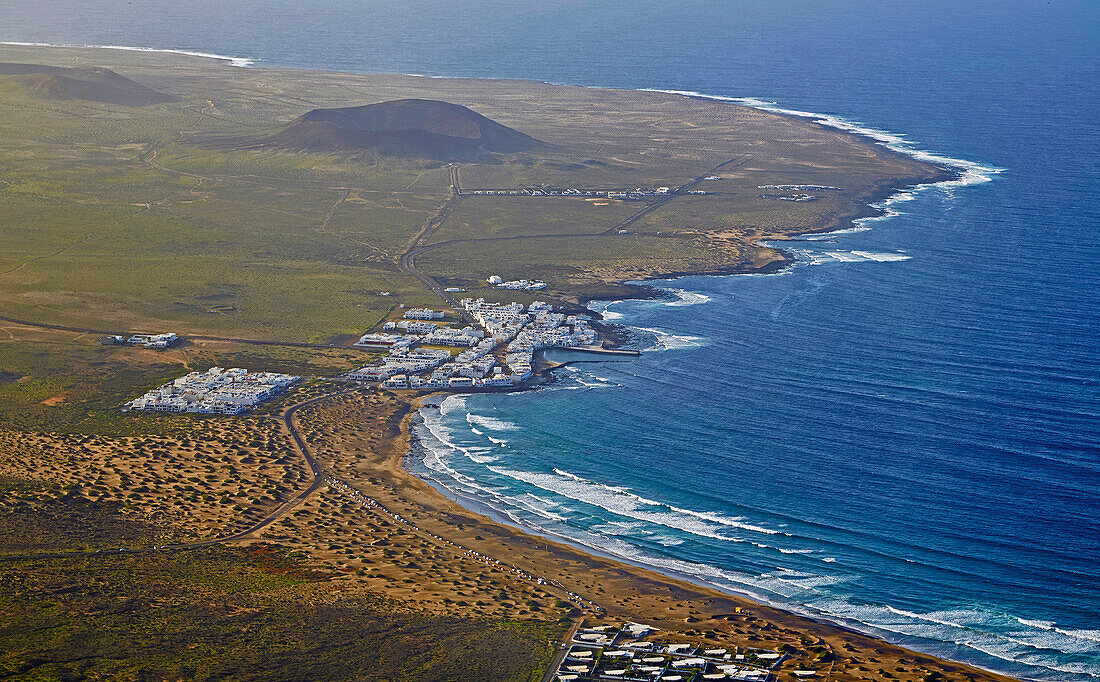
128,217
481,217
73,388
222,613
565,262
38,518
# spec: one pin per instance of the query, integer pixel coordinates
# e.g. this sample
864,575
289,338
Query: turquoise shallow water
901,432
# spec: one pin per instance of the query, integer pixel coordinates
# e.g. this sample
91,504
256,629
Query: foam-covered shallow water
908,484
900,432
896,433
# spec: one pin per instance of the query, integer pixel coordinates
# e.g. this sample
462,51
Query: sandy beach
680,609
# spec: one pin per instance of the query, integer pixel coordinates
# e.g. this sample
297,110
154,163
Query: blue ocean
901,432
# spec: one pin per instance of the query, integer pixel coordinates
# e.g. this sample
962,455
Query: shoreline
241,62
414,451
876,210
873,206
472,504
894,142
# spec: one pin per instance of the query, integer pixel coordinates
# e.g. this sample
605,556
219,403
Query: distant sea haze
900,433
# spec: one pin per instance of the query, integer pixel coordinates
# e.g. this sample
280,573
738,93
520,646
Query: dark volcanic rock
95,84
414,128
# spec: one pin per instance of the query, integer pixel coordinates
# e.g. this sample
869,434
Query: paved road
419,244
679,191
552,671
407,261
198,337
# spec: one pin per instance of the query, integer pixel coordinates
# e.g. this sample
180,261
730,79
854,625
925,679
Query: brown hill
95,84
413,128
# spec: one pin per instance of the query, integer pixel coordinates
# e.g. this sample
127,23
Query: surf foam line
663,340
971,172
624,503
967,628
685,298
791,590
803,593
233,61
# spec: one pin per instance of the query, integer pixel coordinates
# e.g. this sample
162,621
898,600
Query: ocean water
901,432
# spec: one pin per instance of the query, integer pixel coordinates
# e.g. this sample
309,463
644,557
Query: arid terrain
154,546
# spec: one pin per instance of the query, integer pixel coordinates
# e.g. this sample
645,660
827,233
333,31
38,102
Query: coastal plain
117,217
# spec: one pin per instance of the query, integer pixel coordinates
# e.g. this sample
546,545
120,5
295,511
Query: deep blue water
909,444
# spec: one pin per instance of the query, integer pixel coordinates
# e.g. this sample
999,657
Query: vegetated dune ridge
414,128
94,83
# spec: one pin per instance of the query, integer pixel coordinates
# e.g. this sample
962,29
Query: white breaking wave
1092,636
624,503
805,581
497,441
441,434
886,257
800,591
666,341
597,381
1041,624
616,528
1011,654
970,172
685,298
608,314
434,456
478,459
233,61
825,257
733,522
491,423
542,510
940,618
844,256
821,236
450,403
971,628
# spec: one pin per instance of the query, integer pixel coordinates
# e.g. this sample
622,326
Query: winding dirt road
316,470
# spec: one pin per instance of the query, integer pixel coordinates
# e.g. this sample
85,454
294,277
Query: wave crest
233,61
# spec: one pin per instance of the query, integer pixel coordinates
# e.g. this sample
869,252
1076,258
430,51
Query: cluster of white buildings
499,354
390,342
215,391
399,336
424,314
635,193
793,188
622,653
788,188
796,197
516,284
143,340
